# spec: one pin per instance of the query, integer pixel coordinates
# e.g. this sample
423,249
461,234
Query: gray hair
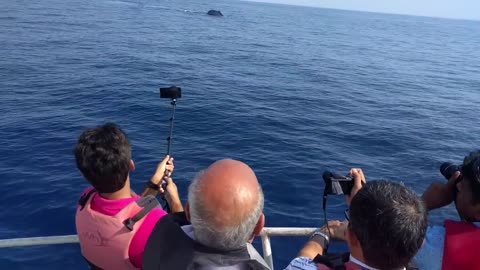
212,235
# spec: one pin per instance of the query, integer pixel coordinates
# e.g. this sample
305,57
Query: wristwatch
324,240
153,186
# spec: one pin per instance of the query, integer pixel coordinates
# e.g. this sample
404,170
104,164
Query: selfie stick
170,137
172,93
169,147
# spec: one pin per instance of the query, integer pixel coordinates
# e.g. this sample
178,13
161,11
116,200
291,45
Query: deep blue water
289,90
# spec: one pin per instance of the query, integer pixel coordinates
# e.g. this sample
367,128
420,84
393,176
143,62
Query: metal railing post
267,249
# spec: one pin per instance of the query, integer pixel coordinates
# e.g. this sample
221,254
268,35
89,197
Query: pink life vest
462,242
105,240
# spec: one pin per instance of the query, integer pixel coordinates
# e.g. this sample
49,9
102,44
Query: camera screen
337,188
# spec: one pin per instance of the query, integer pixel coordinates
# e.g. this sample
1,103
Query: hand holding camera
358,182
336,184
348,185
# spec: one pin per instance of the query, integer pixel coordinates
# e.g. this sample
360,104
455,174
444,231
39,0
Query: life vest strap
92,266
84,198
148,203
334,261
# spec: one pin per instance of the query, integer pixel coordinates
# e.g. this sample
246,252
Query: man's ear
352,237
354,245
258,228
476,212
187,211
131,165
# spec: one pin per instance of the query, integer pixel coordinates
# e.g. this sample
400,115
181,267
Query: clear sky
460,9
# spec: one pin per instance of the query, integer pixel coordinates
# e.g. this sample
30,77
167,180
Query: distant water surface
292,91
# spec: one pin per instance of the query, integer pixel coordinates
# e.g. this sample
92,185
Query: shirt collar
188,230
361,264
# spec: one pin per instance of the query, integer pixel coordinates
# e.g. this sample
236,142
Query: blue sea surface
291,91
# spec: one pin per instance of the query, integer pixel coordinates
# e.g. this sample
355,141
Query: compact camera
336,184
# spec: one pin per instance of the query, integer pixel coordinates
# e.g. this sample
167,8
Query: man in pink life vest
113,223
385,227
456,244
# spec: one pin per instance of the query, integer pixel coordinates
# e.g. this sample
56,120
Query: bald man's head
225,204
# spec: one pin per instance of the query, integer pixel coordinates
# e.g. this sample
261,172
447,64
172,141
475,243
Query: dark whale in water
213,12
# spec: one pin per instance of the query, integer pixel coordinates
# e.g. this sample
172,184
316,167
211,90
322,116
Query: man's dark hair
390,222
471,173
103,156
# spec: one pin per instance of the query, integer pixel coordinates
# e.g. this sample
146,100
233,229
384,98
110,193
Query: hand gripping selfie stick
172,93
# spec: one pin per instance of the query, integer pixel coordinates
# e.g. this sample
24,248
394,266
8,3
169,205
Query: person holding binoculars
454,245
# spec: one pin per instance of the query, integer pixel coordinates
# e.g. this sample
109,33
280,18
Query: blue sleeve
429,257
301,263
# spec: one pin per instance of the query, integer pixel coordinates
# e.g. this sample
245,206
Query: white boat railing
71,239
277,231
39,241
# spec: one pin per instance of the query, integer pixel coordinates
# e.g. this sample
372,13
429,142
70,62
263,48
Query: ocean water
291,91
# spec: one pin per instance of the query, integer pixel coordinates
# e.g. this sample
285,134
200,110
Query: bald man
225,208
